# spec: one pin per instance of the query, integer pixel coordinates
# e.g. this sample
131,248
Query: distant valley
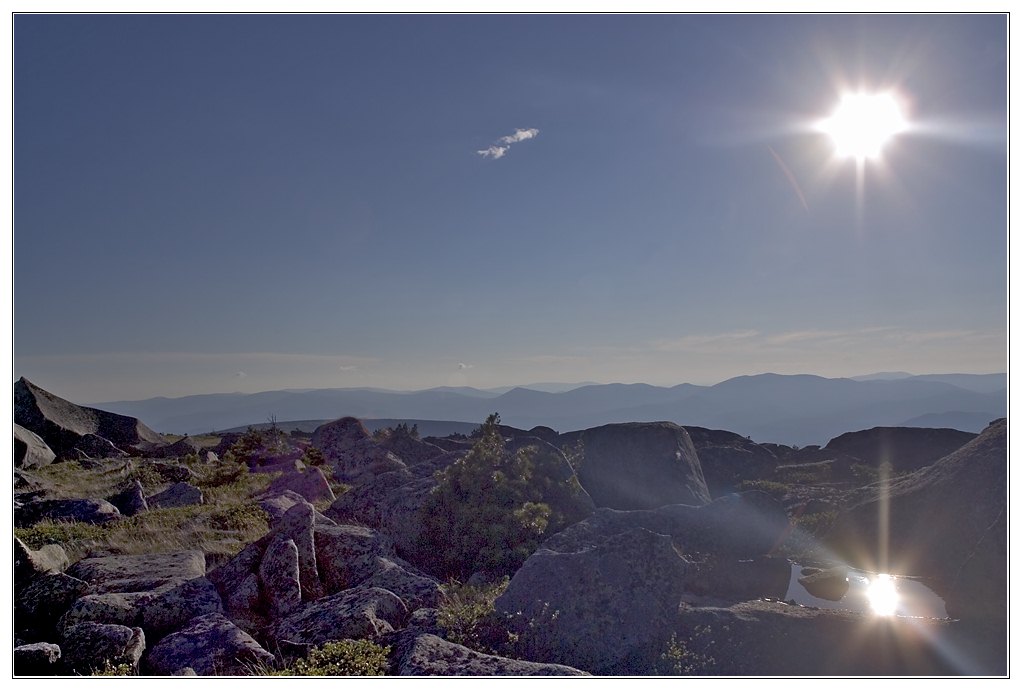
788,409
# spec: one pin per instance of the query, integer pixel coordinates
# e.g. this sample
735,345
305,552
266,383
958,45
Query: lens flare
883,597
863,124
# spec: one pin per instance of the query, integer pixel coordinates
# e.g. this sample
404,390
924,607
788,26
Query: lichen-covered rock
29,564
360,613
106,608
41,658
178,495
209,645
90,646
277,504
42,603
86,511
170,608
564,605
173,473
724,577
420,653
279,576
97,447
130,573
402,579
346,555
29,449
131,500
310,483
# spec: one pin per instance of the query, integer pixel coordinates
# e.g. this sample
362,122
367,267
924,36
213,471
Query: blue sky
242,203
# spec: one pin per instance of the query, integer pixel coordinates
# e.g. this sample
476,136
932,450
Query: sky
219,203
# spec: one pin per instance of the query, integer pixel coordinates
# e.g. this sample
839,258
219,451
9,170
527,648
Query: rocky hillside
510,552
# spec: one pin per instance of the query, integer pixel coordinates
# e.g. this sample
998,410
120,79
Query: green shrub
491,509
221,474
314,457
240,517
466,613
679,658
345,657
65,533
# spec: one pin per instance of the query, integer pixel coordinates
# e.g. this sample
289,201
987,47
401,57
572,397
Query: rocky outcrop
29,449
209,645
310,483
65,426
130,573
639,465
39,606
86,511
178,495
906,449
131,500
30,564
728,459
946,522
562,605
419,653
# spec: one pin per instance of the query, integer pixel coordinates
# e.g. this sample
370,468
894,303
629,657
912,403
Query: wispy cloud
496,151
492,152
519,135
465,366
240,375
347,368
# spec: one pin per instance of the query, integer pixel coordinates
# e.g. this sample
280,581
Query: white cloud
519,135
465,366
495,151
347,368
240,375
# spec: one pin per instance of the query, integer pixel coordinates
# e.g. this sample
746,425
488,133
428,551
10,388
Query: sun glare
884,599
863,123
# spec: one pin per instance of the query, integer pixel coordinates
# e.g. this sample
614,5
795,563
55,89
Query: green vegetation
772,488
466,613
260,445
344,657
398,432
119,670
67,534
679,657
492,508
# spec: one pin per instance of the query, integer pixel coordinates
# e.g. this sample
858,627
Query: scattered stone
277,505
41,658
171,608
106,608
178,495
85,511
173,473
131,500
347,555
279,576
403,580
209,645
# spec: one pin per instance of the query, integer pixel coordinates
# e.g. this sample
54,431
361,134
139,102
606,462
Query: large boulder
639,465
64,425
29,449
131,573
310,483
727,459
563,606
41,658
946,522
906,449
87,511
209,645
39,606
89,647
31,564
419,653
360,613
178,495
184,447
131,500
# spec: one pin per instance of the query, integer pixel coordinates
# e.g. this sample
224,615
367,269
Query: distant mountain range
789,409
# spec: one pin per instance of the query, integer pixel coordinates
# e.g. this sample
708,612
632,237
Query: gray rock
63,425
277,505
421,653
639,466
171,608
29,449
178,495
402,579
563,605
107,609
727,459
298,524
829,584
131,500
183,447
89,646
279,576
309,483
130,573
209,645
360,613
347,555
339,436
30,564
37,659
173,473
85,511
42,603
425,620
96,447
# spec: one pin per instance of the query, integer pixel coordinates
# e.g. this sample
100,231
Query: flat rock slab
129,573
419,653
360,613
87,511
38,608
209,645
178,495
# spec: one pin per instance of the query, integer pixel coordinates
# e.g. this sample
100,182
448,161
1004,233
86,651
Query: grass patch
67,534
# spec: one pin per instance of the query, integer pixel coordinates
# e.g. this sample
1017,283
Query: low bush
345,657
466,612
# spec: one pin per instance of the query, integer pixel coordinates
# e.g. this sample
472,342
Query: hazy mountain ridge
791,409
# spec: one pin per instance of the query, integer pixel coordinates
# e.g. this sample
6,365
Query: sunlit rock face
946,522
639,465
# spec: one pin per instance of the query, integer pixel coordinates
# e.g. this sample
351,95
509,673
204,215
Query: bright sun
883,596
863,123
